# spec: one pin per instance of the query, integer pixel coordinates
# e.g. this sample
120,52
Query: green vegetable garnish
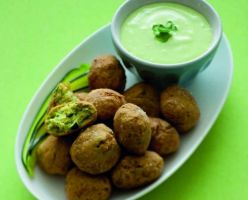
164,32
78,80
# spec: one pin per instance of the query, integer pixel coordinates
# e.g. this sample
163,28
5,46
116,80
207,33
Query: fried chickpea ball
134,171
165,138
180,108
62,94
106,101
132,128
82,186
68,118
144,96
81,95
107,72
53,155
95,151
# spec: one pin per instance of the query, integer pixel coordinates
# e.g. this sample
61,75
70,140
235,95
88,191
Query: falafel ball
62,94
165,138
180,108
68,118
132,128
95,151
134,171
53,155
82,186
81,95
145,96
106,101
107,72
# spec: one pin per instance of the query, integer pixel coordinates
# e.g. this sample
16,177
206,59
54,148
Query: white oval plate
210,89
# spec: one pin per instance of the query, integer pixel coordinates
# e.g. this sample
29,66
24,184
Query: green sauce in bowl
191,39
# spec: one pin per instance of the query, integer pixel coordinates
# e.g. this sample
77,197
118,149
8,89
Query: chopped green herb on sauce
164,32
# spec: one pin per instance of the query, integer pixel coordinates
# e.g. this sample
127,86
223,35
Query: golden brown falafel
95,150
135,171
81,95
132,128
82,186
106,101
165,138
107,72
144,96
53,155
180,108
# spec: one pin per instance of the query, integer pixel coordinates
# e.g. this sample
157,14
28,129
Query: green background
36,34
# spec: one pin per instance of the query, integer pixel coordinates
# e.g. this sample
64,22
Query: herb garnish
164,32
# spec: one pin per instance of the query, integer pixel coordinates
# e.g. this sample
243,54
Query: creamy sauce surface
192,39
